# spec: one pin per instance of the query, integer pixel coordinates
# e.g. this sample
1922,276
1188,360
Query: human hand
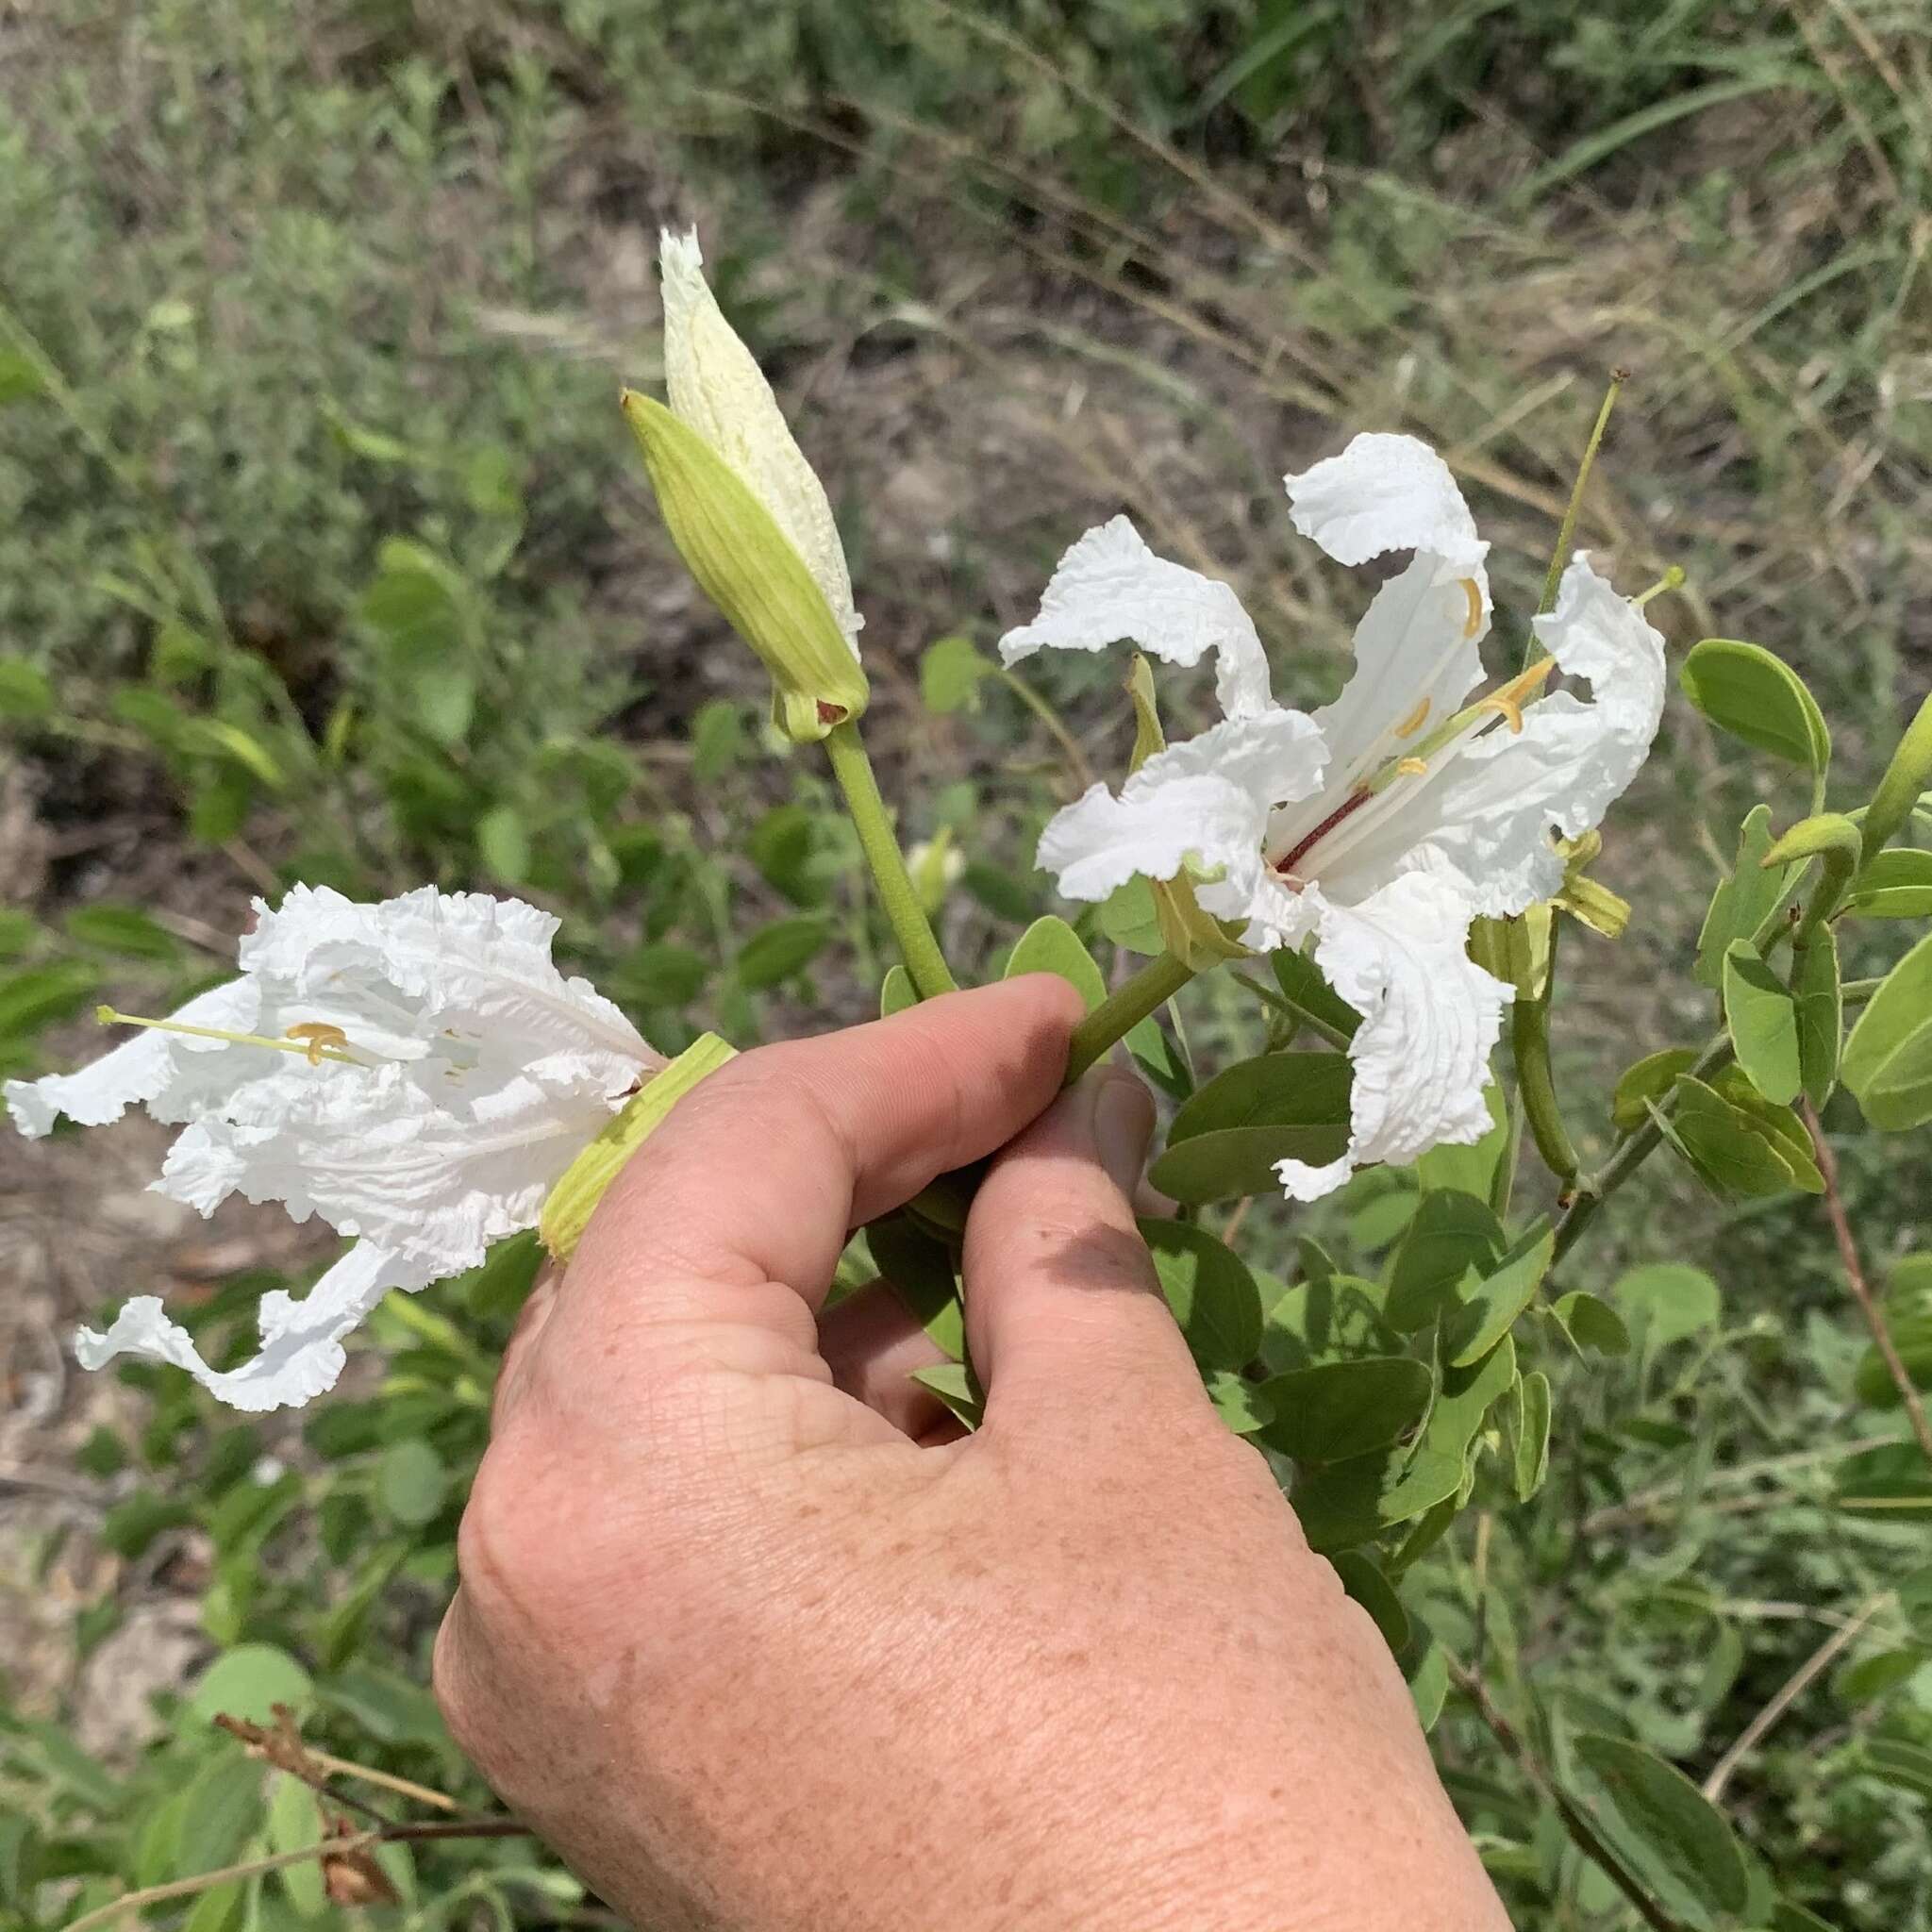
752,1656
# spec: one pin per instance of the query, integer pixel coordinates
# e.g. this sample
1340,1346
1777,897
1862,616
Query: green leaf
1337,1410
1650,1079
1673,1841
955,1385
781,845
1362,1578
718,739
1668,1301
223,1812
1128,917
41,995
896,992
1451,1234
20,378
1470,1169
920,1269
25,692
218,738
1590,1324
1820,998
1892,885
1745,691
1892,1482
125,929
950,673
1875,1676
1911,1337
1905,1766
18,931
248,1682
1212,1294
294,1823
777,952
1342,1504
1051,945
1743,904
1492,1304
412,1483
1737,1150
1530,1456
1227,1139
1425,1670
1308,993
666,974
503,843
1241,1404
1888,1060
1762,1022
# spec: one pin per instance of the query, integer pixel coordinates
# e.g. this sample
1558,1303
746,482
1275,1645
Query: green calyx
1195,937
568,1209
750,570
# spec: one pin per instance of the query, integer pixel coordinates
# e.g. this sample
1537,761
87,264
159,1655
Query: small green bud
568,1208
748,566
1906,777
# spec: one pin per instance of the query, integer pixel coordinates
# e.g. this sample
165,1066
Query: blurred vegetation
323,557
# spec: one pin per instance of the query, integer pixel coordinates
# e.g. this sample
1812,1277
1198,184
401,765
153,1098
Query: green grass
317,521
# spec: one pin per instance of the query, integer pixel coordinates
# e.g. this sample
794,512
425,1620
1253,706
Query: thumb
1060,1291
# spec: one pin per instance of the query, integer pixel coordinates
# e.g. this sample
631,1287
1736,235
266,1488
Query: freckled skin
760,1643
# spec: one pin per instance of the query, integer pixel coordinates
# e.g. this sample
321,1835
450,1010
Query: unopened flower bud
745,509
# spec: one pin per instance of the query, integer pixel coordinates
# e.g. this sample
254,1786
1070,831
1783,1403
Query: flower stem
1536,1085
1124,1010
921,951
1566,531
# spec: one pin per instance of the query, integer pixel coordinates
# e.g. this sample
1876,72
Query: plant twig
1646,1502
323,1848
1788,1694
1583,1834
1861,1289
1124,1010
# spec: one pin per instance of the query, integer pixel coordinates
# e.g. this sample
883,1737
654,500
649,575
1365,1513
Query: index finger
759,1173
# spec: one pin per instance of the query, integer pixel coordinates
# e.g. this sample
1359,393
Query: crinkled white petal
717,386
434,1178
173,1074
481,961
301,1341
1491,812
1388,492
1201,804
1431,1017
1111,587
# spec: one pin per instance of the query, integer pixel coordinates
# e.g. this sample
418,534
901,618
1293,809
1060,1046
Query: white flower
1383,823
714,384
440,1075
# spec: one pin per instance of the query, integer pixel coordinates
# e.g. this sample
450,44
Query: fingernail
1123,1126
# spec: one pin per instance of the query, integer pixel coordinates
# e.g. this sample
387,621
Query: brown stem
325,1848
1788,1694
1861,1289
1582,1833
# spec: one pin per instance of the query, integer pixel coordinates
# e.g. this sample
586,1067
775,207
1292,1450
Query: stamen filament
311,1049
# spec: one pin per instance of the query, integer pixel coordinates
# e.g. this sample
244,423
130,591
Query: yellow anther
315,1035
1474,595
1414,722
1509,698
1412,768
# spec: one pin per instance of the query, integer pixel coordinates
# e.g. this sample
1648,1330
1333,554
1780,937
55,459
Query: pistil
314,1039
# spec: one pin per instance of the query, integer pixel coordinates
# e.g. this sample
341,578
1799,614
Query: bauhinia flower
1379,827
417,1074
745,509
